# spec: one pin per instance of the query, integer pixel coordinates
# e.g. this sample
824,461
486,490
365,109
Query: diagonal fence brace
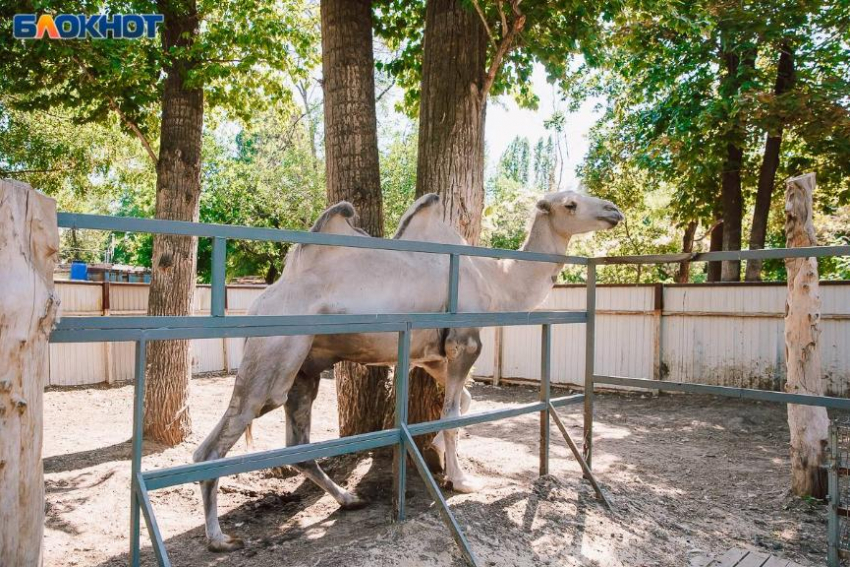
437,495
150,521
577,454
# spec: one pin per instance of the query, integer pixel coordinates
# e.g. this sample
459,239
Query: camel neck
528,283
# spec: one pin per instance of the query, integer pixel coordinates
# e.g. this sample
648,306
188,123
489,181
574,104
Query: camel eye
571,206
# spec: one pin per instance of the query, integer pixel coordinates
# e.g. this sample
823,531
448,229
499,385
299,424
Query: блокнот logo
81,26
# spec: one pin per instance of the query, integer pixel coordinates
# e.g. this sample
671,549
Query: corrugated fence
725,334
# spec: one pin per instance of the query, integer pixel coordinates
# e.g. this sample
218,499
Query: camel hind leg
265,376
299,409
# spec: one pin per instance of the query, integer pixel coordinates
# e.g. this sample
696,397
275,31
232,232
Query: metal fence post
589,352
402,370
833,527
136,466
454,281
217,277
545,393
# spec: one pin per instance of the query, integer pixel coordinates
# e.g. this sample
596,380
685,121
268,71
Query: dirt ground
688,476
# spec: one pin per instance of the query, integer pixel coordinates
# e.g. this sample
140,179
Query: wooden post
29,241
809,426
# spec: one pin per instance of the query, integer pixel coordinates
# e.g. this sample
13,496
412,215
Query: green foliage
505,219
398,176
245,55
515,161
262,174
673,107
555,31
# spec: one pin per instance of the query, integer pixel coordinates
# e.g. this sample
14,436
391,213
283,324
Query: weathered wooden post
29,241
809,425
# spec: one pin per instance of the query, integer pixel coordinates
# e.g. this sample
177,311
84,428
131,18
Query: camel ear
544,205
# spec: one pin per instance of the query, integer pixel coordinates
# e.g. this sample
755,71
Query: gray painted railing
144,329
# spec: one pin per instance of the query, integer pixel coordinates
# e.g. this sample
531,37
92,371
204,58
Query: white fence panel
728,334
93,363
625,317
725,334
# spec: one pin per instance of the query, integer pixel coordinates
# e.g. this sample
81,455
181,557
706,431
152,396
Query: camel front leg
439,442
459,480
462,349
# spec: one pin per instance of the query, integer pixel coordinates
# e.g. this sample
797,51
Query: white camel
284,371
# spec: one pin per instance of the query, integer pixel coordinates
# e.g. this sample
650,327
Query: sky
505,120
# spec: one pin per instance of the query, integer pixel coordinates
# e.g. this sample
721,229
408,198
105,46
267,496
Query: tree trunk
808,425
451,143
733,206
715,245
769,164
351,158
173,264
684,273
29,241
737,71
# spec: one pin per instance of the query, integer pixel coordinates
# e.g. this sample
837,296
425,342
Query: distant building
99,272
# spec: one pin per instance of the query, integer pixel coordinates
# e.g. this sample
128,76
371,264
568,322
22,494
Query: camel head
572,213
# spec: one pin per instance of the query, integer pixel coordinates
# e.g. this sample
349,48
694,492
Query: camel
284,371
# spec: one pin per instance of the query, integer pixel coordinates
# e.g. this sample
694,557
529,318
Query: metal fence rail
143,329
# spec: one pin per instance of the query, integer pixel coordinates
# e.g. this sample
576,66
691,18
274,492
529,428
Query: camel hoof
355,503
466,484
225,544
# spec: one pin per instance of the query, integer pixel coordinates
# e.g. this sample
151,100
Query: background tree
691,92
470,51
231,62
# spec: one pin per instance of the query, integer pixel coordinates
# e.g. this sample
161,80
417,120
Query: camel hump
424,221
426,205
337,220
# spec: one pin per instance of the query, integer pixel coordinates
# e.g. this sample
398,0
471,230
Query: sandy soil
688,476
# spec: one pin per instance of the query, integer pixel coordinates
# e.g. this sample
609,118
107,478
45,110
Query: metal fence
141,330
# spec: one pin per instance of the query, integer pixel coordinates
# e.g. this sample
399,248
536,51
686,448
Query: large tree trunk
451,142
351,158
29,241
178,192
769,164
684,273
731,196
808,425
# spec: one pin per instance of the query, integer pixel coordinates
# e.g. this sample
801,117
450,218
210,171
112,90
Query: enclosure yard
688,476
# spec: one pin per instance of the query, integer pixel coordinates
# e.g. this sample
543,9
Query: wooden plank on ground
747,558
778,562
753,559
729,559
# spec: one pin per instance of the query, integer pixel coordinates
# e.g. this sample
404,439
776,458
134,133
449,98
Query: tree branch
126,119
135,129
709,231
484,21
509,35
6,172
385,91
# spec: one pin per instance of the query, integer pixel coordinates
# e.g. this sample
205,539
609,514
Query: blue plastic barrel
79,271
